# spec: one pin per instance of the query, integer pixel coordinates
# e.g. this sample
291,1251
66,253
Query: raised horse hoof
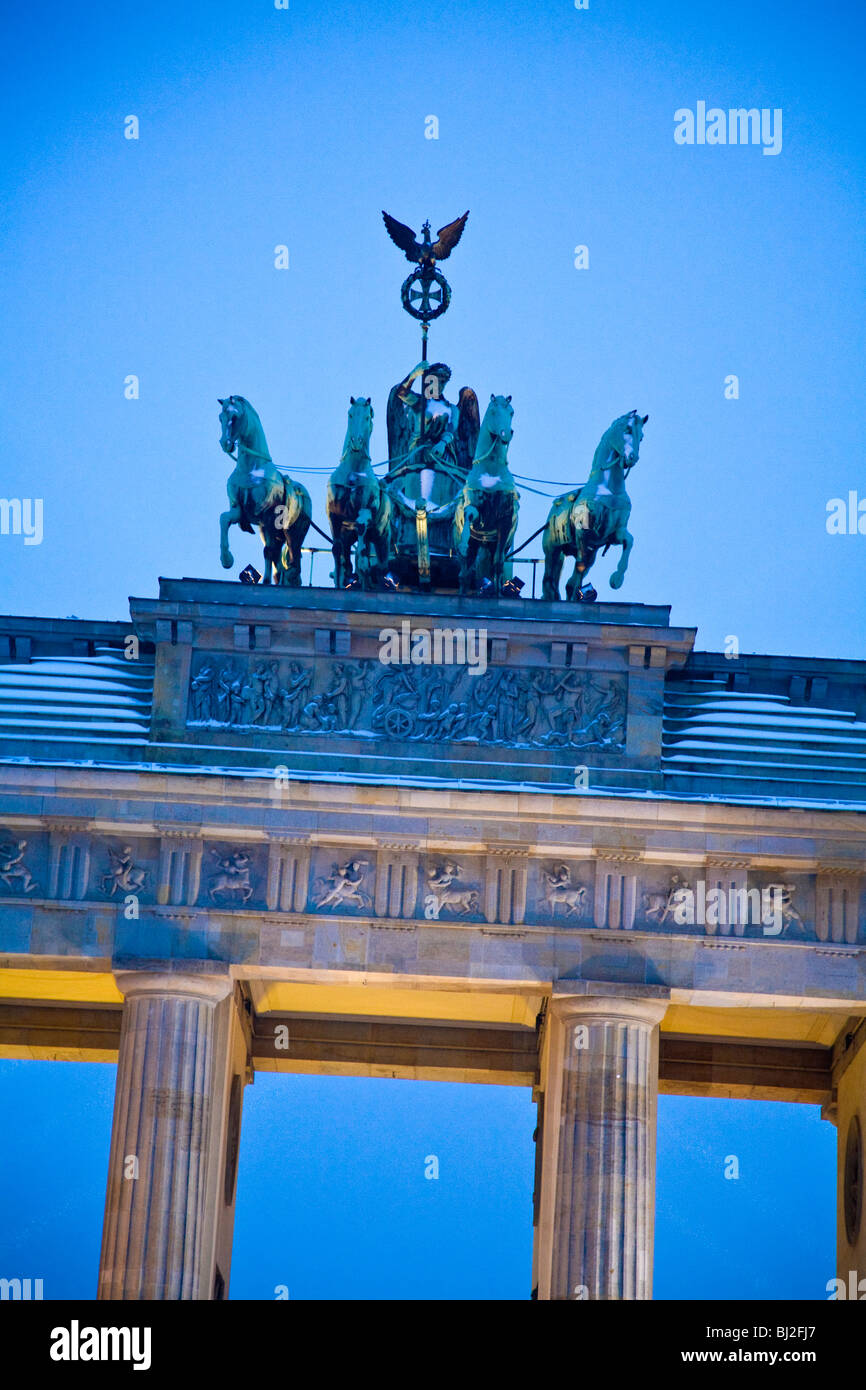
227,560
616,580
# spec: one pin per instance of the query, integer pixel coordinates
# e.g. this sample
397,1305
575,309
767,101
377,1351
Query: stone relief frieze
722,901
535,707
730,904
14,872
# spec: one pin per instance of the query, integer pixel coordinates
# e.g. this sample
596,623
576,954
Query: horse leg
272,541
292,551
505,524
626,540
337,552
584,555
505,544
573,587
227,519
554,558
467,563
497,567
380,542
350,559
467,548
289,570
287,566
362,552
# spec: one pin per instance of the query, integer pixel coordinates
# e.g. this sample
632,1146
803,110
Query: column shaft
167,1115
598,1159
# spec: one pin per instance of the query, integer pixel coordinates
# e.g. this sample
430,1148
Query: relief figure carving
560,890
342,887
13,871
123,872
440,894
658,907
779,899
233,877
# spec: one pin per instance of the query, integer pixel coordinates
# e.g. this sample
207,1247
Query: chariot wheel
398,723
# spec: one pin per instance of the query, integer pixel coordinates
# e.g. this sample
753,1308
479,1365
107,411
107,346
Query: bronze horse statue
260,495
486,515
595,515
359,508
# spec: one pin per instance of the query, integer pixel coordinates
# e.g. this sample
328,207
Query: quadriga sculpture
595,515
260,495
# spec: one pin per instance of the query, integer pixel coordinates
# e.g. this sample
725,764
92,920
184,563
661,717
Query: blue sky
155,257
333,1202
261,127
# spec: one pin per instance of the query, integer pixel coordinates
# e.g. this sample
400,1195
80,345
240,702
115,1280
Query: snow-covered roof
721,738
718,744
101,698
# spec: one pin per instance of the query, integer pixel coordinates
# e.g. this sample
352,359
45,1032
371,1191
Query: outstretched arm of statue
407,396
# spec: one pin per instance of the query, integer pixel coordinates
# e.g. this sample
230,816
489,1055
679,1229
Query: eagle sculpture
425,252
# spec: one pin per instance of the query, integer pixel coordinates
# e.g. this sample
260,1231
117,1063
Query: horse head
497,419
235,421
626,434
242,428
232,418
360,425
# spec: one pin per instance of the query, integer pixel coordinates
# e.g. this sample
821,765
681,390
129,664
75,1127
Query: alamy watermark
439,646
737,126
22,516
768,908
23,1289
846,516
77,1343
854,1289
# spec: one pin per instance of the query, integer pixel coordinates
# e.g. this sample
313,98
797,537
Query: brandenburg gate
233,839
416,825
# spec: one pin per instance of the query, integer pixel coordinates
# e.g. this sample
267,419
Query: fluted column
168,1117
600,1080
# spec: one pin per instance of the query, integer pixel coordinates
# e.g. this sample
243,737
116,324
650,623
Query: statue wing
399,426
468,426
448,237
403,236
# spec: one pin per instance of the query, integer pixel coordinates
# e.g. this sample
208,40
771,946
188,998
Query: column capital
207,989
635,1004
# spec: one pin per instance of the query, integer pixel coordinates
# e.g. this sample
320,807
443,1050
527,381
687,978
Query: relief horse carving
359,508
595,515
260,495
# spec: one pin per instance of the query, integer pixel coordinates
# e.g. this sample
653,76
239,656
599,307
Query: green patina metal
486,514
260,495
359,508
594,516
444,515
